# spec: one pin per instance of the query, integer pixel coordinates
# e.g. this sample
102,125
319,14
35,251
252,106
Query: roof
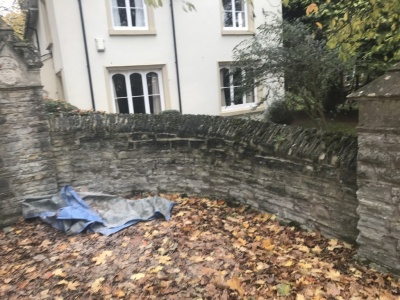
24,50
386,86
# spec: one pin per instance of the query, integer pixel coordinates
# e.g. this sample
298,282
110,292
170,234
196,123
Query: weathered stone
379,170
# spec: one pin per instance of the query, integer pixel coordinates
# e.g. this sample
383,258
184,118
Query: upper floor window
129,14
235,15
138,92
232,96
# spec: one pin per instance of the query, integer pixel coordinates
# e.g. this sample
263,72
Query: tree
287,49
367,30
17,21
187,5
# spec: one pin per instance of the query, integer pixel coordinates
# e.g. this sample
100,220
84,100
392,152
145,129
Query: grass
345,122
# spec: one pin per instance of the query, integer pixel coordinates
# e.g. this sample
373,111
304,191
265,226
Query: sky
5,5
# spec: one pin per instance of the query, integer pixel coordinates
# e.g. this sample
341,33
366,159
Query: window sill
240,111
237,32
132,32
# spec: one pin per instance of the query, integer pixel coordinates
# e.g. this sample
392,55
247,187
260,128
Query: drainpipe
176,55
36,36
87,54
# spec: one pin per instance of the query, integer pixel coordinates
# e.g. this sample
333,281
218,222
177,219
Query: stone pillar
26,158
378,170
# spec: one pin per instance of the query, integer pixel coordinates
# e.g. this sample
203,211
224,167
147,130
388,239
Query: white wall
200,47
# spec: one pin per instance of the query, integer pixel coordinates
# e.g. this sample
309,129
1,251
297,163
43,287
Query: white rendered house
124,56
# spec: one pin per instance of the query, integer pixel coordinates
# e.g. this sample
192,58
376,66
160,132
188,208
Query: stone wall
299,174
26,158
379,170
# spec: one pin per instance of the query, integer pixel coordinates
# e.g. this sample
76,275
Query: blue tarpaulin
74,212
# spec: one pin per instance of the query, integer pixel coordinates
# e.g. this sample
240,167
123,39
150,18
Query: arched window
138,92
120,93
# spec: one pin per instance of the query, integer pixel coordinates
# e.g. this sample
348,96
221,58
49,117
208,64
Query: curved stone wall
298,174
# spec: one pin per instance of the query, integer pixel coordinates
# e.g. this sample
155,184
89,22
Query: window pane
120,17
136,84
237,77
136,3
238,96
118,3
155,104
123,107
152,83
239,5
228,20
119,85
240,19
138,105
225,77
227,4
137,17
250,97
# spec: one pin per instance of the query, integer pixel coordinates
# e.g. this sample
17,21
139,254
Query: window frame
236,108
143,72
249,15
149,29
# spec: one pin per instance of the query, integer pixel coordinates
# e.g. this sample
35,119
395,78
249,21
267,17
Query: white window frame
233,106
233,11
129,96
129,17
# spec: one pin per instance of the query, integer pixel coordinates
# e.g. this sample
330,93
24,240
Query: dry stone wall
26,157
299,174
379,170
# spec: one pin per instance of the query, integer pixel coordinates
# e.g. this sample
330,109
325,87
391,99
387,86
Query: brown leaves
235,284
208,250
96,285
101,258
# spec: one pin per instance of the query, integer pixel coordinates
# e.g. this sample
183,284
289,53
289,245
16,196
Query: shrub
170,112
278,112
57,106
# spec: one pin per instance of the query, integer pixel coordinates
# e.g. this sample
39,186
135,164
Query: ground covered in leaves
208,250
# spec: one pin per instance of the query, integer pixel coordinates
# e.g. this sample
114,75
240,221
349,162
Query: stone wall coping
323,148
386,86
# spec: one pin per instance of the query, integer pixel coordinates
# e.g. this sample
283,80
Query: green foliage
287,49
187,5
170,112
279,112
17,22
57,106
367,30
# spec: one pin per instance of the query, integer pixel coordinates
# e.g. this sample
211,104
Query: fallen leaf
300,297
303,248
31,269
316,249
289,263
164,259
96,285
283,289
101,259
45,243
62,282
235,284
156,269
72,285
267,244
138,276
332,289
59,272
333,275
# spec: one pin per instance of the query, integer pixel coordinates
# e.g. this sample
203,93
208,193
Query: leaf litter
208,250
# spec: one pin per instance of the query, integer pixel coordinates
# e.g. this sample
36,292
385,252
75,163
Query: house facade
124,56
